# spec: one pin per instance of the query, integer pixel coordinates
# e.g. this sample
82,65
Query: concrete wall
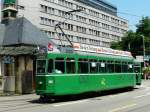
0,9
0,66
22,66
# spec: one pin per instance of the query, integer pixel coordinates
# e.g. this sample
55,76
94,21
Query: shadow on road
67,98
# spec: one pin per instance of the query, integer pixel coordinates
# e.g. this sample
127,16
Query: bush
146,70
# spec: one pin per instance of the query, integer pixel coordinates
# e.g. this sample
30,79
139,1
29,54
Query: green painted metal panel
64,84
9,1
44,85
74,84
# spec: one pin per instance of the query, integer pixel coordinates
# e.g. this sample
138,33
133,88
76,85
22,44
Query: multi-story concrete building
0,9
97,24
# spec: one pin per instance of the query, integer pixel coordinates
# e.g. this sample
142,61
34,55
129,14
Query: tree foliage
133,41
144,26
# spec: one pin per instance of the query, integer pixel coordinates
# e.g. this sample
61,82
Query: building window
82,8
49,0
81,29
47,9
65,3
81,19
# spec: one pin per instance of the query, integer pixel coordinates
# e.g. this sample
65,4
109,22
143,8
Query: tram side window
93,66
83,66
110,67
124,67
59,65
118,67
130,68
50,65
102,67
70,66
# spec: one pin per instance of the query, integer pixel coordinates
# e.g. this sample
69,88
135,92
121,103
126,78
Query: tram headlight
40,82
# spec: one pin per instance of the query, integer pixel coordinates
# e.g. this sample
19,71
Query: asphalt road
137,100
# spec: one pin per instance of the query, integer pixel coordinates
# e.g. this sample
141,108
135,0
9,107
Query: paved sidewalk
146,82
19,97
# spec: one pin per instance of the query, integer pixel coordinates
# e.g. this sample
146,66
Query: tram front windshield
40,66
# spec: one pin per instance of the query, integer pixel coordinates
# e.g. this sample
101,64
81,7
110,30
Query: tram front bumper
44,92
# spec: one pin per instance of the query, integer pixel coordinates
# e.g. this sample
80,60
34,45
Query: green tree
144,26
116,45
133,41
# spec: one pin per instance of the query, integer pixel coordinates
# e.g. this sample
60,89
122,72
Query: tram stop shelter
18,44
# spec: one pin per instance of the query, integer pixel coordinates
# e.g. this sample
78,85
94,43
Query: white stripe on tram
82,74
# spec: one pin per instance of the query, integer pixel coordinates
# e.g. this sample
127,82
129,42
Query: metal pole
143,49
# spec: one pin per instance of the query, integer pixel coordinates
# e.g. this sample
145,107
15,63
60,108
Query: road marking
122,108
69,103
142,96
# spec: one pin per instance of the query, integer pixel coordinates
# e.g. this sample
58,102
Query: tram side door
138,76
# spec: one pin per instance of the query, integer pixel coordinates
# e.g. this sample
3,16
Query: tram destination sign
101,50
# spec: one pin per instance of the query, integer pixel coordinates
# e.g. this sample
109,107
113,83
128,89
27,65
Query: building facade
0,9
97,24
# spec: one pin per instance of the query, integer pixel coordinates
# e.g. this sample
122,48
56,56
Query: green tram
61,73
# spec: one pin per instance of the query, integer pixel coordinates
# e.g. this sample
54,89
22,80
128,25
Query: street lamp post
143,49
145,74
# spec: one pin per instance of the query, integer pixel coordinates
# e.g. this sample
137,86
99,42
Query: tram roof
91,56
96,53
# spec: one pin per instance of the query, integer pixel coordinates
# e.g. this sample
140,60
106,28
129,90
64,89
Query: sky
133,9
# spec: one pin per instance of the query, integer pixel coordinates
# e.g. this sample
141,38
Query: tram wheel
44,98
